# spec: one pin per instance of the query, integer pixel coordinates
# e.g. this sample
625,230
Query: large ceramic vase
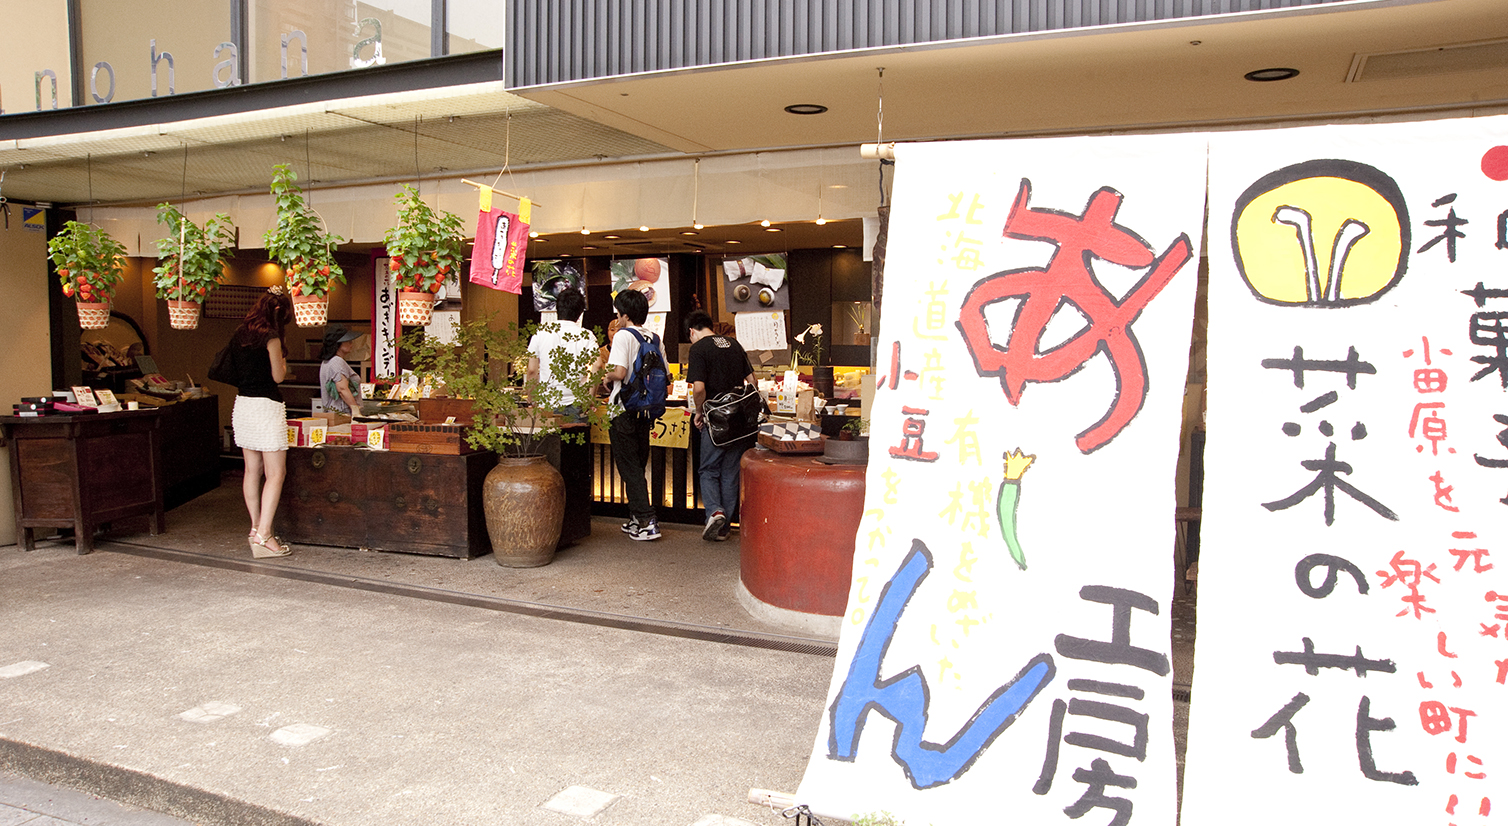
523,499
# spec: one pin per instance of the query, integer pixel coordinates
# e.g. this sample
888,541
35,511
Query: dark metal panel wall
556,41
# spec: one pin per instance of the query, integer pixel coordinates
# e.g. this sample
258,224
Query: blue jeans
718,472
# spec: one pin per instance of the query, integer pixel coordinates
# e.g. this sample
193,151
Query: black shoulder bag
735,415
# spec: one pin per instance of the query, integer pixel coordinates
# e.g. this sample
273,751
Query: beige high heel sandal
260,549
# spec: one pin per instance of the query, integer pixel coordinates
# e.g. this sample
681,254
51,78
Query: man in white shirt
567,335
629,431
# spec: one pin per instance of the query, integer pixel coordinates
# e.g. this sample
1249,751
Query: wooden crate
784,446
422,437
439,409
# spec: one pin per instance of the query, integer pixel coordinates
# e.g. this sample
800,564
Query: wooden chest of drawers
408,502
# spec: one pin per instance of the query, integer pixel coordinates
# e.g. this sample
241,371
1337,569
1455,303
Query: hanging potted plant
300,245
523,497
90,265
423,249
190,262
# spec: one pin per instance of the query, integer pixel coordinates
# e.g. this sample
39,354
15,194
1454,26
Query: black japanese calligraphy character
1326,478
1284,720
1119,650
1365,725
1490,330
1452,223
1097,777
1313,662
1333,565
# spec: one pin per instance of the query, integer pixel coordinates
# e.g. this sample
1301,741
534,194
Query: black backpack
648,382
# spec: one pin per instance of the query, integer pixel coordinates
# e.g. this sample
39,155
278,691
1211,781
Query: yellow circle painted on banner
1293,225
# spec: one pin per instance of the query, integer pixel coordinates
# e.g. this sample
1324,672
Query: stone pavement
30,803
622,684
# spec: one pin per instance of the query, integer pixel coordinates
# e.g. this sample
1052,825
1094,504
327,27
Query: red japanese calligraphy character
1411,573
1434,717
1433,427
1069,280
1442,493
911,437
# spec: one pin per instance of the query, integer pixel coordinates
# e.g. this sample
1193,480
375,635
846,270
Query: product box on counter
301,430
373,436
339,434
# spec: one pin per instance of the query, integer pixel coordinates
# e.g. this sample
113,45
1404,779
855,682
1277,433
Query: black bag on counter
735,415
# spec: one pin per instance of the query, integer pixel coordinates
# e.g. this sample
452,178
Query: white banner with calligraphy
1005,651
1353,590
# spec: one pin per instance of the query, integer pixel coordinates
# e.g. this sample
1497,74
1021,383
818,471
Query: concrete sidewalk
623,683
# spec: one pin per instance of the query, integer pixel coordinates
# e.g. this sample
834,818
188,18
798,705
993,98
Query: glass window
127,44
291,38
474,25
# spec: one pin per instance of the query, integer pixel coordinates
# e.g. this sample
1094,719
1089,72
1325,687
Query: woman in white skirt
259,420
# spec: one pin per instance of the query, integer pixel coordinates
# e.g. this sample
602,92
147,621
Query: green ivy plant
426,245
191,257
89,263
487,365
299,243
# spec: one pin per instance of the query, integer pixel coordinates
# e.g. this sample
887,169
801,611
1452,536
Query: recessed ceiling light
533,233
585,231
773,229
821,222
588,247
540,240
612,237
732,241
765,222
840,246
644,228
1269,75
806,109
687,232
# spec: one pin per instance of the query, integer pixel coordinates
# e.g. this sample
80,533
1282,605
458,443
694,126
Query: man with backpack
639,379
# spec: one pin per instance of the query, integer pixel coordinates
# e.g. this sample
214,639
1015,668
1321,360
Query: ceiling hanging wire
418,176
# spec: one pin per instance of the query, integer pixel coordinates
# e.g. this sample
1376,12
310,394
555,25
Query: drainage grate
665,628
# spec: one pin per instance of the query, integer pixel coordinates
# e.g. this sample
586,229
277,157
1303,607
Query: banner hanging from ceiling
1006,646
1353,592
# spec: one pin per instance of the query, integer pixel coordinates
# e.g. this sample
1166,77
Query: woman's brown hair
267,319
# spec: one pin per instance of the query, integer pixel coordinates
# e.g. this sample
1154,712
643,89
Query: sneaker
631,526
646,532
716,524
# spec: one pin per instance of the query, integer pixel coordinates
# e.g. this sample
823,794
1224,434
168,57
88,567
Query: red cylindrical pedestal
797,526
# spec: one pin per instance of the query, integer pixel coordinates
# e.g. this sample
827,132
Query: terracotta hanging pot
311,310
415,309
523,499
183,315
93,315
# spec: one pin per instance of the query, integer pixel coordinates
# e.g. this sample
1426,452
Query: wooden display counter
419,503
798,519
84,471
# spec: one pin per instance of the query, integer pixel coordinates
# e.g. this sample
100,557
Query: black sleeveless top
254,366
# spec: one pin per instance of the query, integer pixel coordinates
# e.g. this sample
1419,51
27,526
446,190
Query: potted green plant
90,265
190,262
425,247
523,498
305,251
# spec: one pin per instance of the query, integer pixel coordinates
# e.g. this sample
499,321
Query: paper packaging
373,436
339,434
300,429
798,404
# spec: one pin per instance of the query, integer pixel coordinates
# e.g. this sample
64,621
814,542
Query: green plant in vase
425,247
487,365
305,251
523,497
90,265
190,262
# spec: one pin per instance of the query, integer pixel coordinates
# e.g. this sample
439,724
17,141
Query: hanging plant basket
183,315
415,309
190,262
424,248
93,315
311,310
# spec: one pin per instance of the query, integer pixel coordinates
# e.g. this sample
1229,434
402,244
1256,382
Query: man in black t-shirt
716,365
